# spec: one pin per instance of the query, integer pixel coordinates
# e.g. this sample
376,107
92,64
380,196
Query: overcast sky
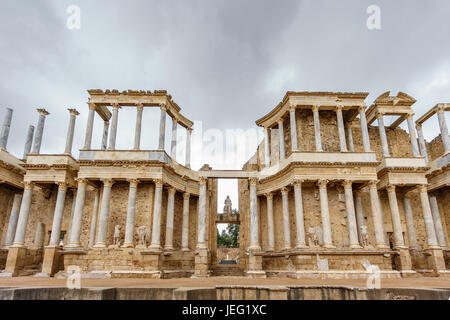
226,63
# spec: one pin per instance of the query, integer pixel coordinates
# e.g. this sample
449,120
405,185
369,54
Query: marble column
270,228
201,238
188,147
437,221
104,214
351,216
364,129
299,219
317,136
156,226
383,137
137,131
286,224
395,216
185,223
75,230
114,123
105,135
28,142
74,198
173,142
443,126
39,131
254,223
39,236
423,147
341,129
326,224
432,241
70,131
169,219
409,217
281,138
58,215
351,146
266,147
13,216
131,212
89,127
19,238
293,123
5,128
412,135
360,221
377,216
93,226
162,127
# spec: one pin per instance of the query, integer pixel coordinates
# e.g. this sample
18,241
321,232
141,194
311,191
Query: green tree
229,237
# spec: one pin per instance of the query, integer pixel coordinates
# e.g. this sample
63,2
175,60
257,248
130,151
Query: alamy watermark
374,19
74,277
73,21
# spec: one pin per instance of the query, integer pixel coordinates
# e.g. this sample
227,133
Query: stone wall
224,253
6,201
435,148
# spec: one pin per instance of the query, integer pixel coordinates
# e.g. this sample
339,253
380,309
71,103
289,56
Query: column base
170,248
185,249
128,245
404,259
355,246
435,259
74,245
382,246
15,260
301,246
155,247
254,248
329,246
51,260
99,245
270,249
255,269
202,261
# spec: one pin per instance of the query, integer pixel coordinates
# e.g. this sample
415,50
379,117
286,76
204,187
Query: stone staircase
227,271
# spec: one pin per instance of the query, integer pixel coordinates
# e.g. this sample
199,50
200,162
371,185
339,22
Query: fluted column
173,143
383,137
13,216
156,226
351,217
351,146
39,131
28,142
360,222
293,122
74,198
185,223
19,238
266,147
75,230
201,238
377,215
428,218
412,237
326,224
89,127
286,224
270,229
162,127
93,225
131,211
114,123
104,214
437,221
105,135
188,147
299,219
341,129
443,126
281,138
58,215
412,135
137,131
169,219
70,131
395,215
5,128
317,136
254,221
364,129
423,147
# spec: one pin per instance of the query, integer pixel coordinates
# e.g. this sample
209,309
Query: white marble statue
143,235
364,236
117,229
313,236
227,208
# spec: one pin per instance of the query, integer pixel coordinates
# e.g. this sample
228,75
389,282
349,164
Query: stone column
131,211
341,130
162,127
317,136
300,223
5,128
286,224
89,127
19,238
437,221
351,146
69,140
58,215
423,147
364,130
185,223
201,239
28,142
281,136
137,132
410,222
266,147
13,216
351,217
294,142
105,135
94,218
444,130
169,219
104,214
156,227
360,221
254,223
326,225
173,143
188,147
377,216
270,229
428,218
39,131
395,215
114,123
74,198
412,135
75,230
383,137
39,236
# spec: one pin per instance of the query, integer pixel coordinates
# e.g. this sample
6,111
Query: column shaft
410,223
377,216
89,127
317,136
351,146
169,220
423,147
173,143
137,132
75,230
383,137
19,238
131,212
266,147
270,229
364,129
58,215
201,239
70,131
395,216
39,131
28,142
341,129
444,129
360,222
254,223
437,221
114,123
351,217
105,135
156,227
93,226
13,216
286,224
281,136
5,128
162,128
412,136
428,218
104,214
300,223
188,147
326,225
185,223
293,123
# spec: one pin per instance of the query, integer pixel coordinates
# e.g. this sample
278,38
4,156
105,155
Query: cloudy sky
225,62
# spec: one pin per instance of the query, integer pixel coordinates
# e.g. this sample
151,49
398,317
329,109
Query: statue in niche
313,236
142,235
364,236
227,208
117,229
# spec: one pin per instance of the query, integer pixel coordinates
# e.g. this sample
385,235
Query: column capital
418,126
189,129
297,182
269,196
322,183
390,188
280,121
158,182
174,121
92,106
43,112
339,107
202,180
28,185
133,182
186,195
107,182
373,183
410,115
357,193
284,190
423,188
253,181
347,184
315,108
73,112
171,190
140,106
362,108
115,106
163,107
380,115
292,107
440,108
81,181
62,186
